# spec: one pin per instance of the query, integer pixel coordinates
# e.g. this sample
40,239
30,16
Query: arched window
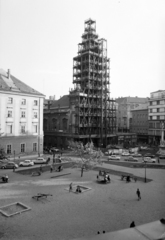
54,123
64,124
45,124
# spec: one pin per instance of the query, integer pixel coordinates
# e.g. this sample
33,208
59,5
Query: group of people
78,189
104,175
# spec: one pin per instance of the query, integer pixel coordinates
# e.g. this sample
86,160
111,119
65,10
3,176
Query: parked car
149,160
162,157
53,149
137,155
113,157
9,165
131,159
125,154
149,155
26,163
40,160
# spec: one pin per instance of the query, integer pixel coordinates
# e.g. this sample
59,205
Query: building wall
27,116
139,124
125,106
156,115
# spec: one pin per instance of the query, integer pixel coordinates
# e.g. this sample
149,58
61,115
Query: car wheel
3,167
20,165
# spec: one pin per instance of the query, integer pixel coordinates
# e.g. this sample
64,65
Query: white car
26,163
149,160
40,160
125,154
113,157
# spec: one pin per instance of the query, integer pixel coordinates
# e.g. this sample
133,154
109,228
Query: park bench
36,173
41,195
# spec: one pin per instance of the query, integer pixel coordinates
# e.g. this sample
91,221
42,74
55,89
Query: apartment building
156,116
139,123
21,117
124,114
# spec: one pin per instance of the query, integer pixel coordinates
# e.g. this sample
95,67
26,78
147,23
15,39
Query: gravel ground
67,215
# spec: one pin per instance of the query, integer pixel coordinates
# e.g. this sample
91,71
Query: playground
59,214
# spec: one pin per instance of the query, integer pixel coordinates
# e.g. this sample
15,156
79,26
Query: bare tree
88,157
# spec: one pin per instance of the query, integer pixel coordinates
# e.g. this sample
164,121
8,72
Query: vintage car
26,163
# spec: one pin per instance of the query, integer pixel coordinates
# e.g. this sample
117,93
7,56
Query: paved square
106,207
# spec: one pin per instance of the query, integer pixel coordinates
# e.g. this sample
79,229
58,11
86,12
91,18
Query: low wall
45,168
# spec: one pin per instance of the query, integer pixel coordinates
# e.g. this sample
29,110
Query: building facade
156,116
124,114
139,123
21,117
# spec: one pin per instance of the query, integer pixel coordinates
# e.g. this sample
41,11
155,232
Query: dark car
9,165
162,157
149,155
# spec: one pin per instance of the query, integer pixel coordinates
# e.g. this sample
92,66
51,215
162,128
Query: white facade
156,115
21,120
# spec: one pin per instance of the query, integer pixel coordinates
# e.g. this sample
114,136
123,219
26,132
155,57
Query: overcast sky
39,38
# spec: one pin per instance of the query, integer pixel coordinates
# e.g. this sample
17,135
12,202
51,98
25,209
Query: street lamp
14,155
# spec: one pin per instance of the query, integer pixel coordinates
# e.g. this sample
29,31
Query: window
35,103
22,147
23,114
162,102
154,110
54,123
35,128
23,102
161,109
158,117
9,114
8,149
9,129
150,117
154,117
64,123
150,103
35,114
162,117
34,147
22,128
158,102
154,103
10,100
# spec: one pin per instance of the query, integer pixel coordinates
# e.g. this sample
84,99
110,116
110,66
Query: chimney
8,73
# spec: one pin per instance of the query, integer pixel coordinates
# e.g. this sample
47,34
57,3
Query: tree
2,153
88,157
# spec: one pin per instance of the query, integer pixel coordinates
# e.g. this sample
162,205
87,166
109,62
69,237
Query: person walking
138,194
70,187
51,168
41,168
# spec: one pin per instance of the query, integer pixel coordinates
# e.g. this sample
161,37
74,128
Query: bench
37,173
41,195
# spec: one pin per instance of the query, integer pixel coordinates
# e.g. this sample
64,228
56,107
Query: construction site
95,112
89,111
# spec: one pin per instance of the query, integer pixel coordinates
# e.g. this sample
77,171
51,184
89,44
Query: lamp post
145,178
14,155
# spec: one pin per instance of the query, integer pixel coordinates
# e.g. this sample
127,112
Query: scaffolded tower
95,112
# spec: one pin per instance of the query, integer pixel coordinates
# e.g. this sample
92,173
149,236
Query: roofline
22,93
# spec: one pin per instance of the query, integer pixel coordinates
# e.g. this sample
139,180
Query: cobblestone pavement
66,215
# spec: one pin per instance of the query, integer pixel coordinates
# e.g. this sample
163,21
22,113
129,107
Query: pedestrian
138,194
13,168
70,187
82,170
41,168
51,168
158,160
103,231
98,232
132,224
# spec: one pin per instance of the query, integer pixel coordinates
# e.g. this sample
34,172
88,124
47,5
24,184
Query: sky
39,38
